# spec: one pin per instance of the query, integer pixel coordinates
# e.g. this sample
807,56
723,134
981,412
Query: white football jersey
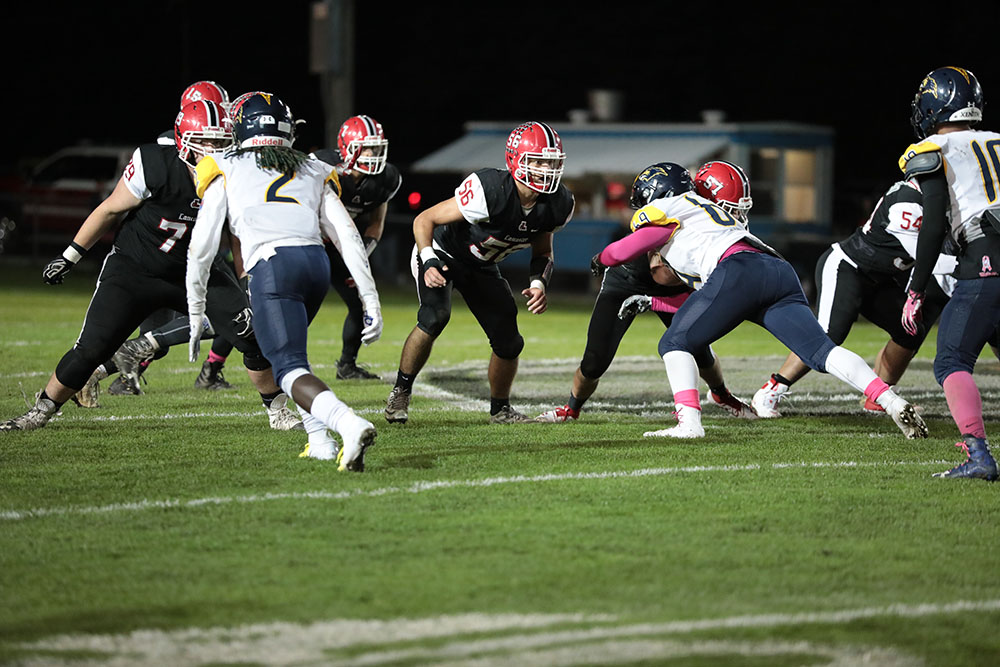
266,207
972,168
703,235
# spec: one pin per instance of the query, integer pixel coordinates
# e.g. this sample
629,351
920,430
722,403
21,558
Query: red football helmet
727,185
535,156
360,135
209,91
202,128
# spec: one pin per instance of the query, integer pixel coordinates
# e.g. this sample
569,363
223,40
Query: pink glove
911,311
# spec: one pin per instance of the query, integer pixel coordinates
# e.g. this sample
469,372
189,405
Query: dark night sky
116,74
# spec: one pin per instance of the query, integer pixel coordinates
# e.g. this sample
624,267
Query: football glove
634,305
55,271
912,314
373,326
596,266
196,324
243,323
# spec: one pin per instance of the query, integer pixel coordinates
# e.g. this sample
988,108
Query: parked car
63,189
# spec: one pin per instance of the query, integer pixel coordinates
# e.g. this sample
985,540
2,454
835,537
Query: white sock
844,365
682,371
330,410
314,427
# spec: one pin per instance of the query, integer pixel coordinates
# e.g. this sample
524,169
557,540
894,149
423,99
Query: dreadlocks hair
287,160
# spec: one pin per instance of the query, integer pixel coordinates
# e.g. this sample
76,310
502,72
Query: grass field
175,528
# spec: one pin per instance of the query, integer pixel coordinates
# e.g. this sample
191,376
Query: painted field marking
431,485
530,640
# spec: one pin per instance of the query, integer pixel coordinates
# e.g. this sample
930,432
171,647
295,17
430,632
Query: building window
800,186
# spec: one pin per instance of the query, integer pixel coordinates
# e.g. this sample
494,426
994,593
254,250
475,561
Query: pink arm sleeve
637,243
669,304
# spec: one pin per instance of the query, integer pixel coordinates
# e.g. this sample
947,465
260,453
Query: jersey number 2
277,184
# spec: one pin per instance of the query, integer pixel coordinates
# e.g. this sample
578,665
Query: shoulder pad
205,173
922,158
334,180
649,215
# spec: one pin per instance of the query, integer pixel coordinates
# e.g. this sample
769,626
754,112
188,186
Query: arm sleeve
637,243
933,229
205,238
669,304
337,225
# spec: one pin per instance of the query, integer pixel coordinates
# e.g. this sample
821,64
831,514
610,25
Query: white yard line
518,639
431,485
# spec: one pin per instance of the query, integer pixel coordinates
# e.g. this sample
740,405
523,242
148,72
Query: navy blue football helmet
663,179
262,119
946,95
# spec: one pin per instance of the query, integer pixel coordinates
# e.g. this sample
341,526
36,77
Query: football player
736,278
866,274
154,206
165,328
720,181
278,200
459,244
958,169
368,182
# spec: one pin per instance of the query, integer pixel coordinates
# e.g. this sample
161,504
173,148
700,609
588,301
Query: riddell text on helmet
266,141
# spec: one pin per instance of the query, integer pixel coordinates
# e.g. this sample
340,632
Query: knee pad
510,348
432,321
593,365
255,361
75,367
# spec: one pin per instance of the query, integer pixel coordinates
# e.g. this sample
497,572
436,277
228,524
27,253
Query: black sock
498,404
783,380
575,403
267,398
405,381
720,390
44,395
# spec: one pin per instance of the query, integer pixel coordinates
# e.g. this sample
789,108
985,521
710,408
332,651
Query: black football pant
343,284
125,296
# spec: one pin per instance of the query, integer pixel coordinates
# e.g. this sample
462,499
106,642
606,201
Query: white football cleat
324,451
281,417
358,436
904,414
688,425
765,401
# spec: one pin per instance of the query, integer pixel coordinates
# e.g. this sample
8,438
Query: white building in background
790,166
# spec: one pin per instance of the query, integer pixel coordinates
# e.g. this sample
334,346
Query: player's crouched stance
736,278
277,201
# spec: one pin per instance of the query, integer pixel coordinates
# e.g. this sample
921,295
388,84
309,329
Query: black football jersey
157,234
872,247
368,193
508,227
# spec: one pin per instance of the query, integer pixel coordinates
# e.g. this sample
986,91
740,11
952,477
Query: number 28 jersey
267,208
495,224
156,235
